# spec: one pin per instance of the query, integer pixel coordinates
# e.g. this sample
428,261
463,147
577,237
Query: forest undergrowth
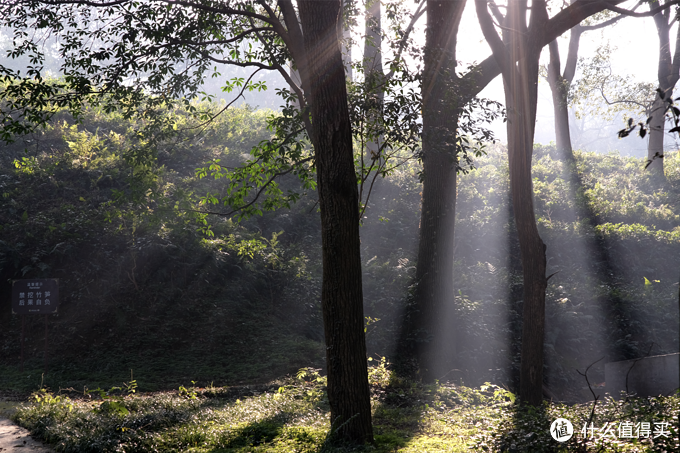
291,414
145,287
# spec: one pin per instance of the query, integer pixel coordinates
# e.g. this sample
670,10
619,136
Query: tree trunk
520,81
341,294
373,42
521,96
346,38
668,76
435,257
373,70
430,329
656,136
559,86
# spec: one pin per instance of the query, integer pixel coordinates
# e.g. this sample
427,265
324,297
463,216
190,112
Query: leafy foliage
620,94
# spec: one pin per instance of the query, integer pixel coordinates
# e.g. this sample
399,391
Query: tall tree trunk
560,84
520,98
434,271
341,294
520,81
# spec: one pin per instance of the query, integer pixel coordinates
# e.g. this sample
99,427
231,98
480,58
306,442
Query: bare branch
651,12
243,64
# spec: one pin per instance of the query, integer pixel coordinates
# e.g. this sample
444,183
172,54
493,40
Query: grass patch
291,415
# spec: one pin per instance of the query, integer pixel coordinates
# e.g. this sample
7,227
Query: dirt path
14,438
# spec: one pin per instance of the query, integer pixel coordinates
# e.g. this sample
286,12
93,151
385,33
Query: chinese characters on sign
35,296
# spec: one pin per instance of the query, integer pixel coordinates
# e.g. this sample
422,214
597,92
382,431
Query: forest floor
292,414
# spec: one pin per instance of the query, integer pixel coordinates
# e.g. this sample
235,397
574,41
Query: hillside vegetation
154,292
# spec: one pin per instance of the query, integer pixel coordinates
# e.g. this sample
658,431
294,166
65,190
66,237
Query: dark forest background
144,288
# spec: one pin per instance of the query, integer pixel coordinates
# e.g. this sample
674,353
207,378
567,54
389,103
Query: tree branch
245,85
222,10
566,19
572,54
84,2
404,39
651,12
297,44
222,41
242,64
498,49
259,192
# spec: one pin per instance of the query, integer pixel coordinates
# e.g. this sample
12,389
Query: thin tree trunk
559,86
668,76
346,38
373,70
373,42
434,273
341,294
656,136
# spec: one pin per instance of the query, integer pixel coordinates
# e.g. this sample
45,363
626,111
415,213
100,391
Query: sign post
36,296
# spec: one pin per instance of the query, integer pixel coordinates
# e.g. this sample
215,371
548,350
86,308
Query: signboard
39,296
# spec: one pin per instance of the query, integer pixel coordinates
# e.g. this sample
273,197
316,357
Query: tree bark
373,70
560,84
341,294
657,127
373,42
346,39
434,273
559,87
520,81
668,72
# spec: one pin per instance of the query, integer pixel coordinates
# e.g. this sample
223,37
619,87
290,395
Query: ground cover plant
289,415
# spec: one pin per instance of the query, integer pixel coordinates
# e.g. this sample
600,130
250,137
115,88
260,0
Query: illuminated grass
292,416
